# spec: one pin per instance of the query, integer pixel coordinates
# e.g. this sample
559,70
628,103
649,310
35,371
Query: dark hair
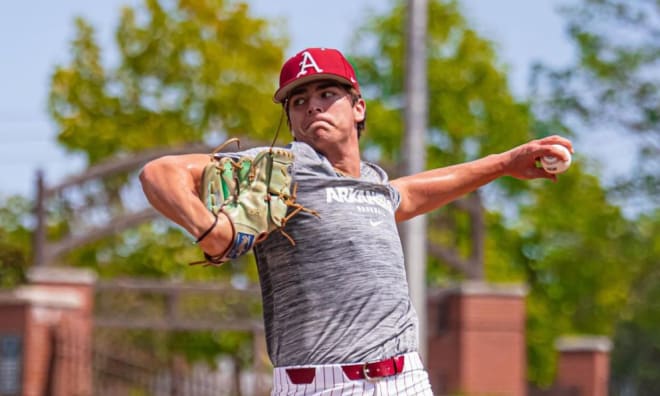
355,96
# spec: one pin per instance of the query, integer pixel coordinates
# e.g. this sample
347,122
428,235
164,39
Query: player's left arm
429,190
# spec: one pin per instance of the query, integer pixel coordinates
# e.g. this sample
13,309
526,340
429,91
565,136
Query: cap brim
283,92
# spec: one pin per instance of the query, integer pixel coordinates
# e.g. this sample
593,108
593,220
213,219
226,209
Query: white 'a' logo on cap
307,62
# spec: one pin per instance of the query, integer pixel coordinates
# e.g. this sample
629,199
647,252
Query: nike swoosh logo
375,223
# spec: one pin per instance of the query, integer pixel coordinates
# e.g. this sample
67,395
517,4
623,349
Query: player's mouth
317,123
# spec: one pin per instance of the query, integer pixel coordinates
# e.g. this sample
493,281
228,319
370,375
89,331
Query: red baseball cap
314,64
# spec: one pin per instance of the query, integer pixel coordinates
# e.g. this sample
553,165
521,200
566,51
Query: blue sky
35,36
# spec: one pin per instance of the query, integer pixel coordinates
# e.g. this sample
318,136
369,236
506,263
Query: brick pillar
30,316
477,339
72,368
584,364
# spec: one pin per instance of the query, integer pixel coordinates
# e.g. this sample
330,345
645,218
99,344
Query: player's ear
360,110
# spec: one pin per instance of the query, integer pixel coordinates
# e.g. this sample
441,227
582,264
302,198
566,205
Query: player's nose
314,105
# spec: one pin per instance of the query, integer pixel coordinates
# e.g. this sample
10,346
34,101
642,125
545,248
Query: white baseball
553,164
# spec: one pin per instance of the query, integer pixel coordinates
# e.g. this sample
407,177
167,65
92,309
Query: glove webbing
290,200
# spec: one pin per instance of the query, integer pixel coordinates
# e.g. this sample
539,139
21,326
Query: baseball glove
255,193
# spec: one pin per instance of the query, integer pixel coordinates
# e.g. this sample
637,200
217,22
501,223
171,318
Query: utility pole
39,237
416,116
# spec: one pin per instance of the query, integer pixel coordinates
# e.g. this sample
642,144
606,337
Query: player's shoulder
251,152
373,172
305,154
302,149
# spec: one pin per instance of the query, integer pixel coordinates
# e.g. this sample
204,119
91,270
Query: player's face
323,114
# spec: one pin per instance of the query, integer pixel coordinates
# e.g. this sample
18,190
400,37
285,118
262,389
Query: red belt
368,371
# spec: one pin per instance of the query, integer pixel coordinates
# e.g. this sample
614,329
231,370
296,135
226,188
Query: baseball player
322,225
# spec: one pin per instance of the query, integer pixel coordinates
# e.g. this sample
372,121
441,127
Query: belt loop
396,370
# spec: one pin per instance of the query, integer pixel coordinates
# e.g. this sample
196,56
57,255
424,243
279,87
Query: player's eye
297,101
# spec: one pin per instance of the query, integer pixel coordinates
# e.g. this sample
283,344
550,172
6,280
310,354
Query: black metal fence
115,375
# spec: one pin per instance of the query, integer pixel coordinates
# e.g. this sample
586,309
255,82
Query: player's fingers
557,139
558,150
540,173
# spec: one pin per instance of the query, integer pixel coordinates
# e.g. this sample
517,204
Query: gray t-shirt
340,294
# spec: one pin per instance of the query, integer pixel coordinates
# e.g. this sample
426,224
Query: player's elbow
148,173
152,173
180,172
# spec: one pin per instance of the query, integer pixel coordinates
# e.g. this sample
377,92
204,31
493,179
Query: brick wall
584,364
477,339
49,317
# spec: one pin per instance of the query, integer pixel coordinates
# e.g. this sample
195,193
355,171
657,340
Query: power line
29,141
4,121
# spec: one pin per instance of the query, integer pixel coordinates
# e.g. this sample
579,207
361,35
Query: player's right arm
431,189
171,185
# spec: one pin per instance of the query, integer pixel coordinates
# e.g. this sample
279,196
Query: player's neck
346,162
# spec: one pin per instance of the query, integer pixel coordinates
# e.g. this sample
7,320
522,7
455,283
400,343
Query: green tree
187,75
472,112
580,258
613,86
635,365
534,234
14,241
187,71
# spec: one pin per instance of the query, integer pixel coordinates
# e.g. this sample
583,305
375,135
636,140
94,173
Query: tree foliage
472,110
636,350
187,71
200,69
566,241
14,241
613,86
580,258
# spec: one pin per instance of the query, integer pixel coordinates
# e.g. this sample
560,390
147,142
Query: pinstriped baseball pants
331,381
